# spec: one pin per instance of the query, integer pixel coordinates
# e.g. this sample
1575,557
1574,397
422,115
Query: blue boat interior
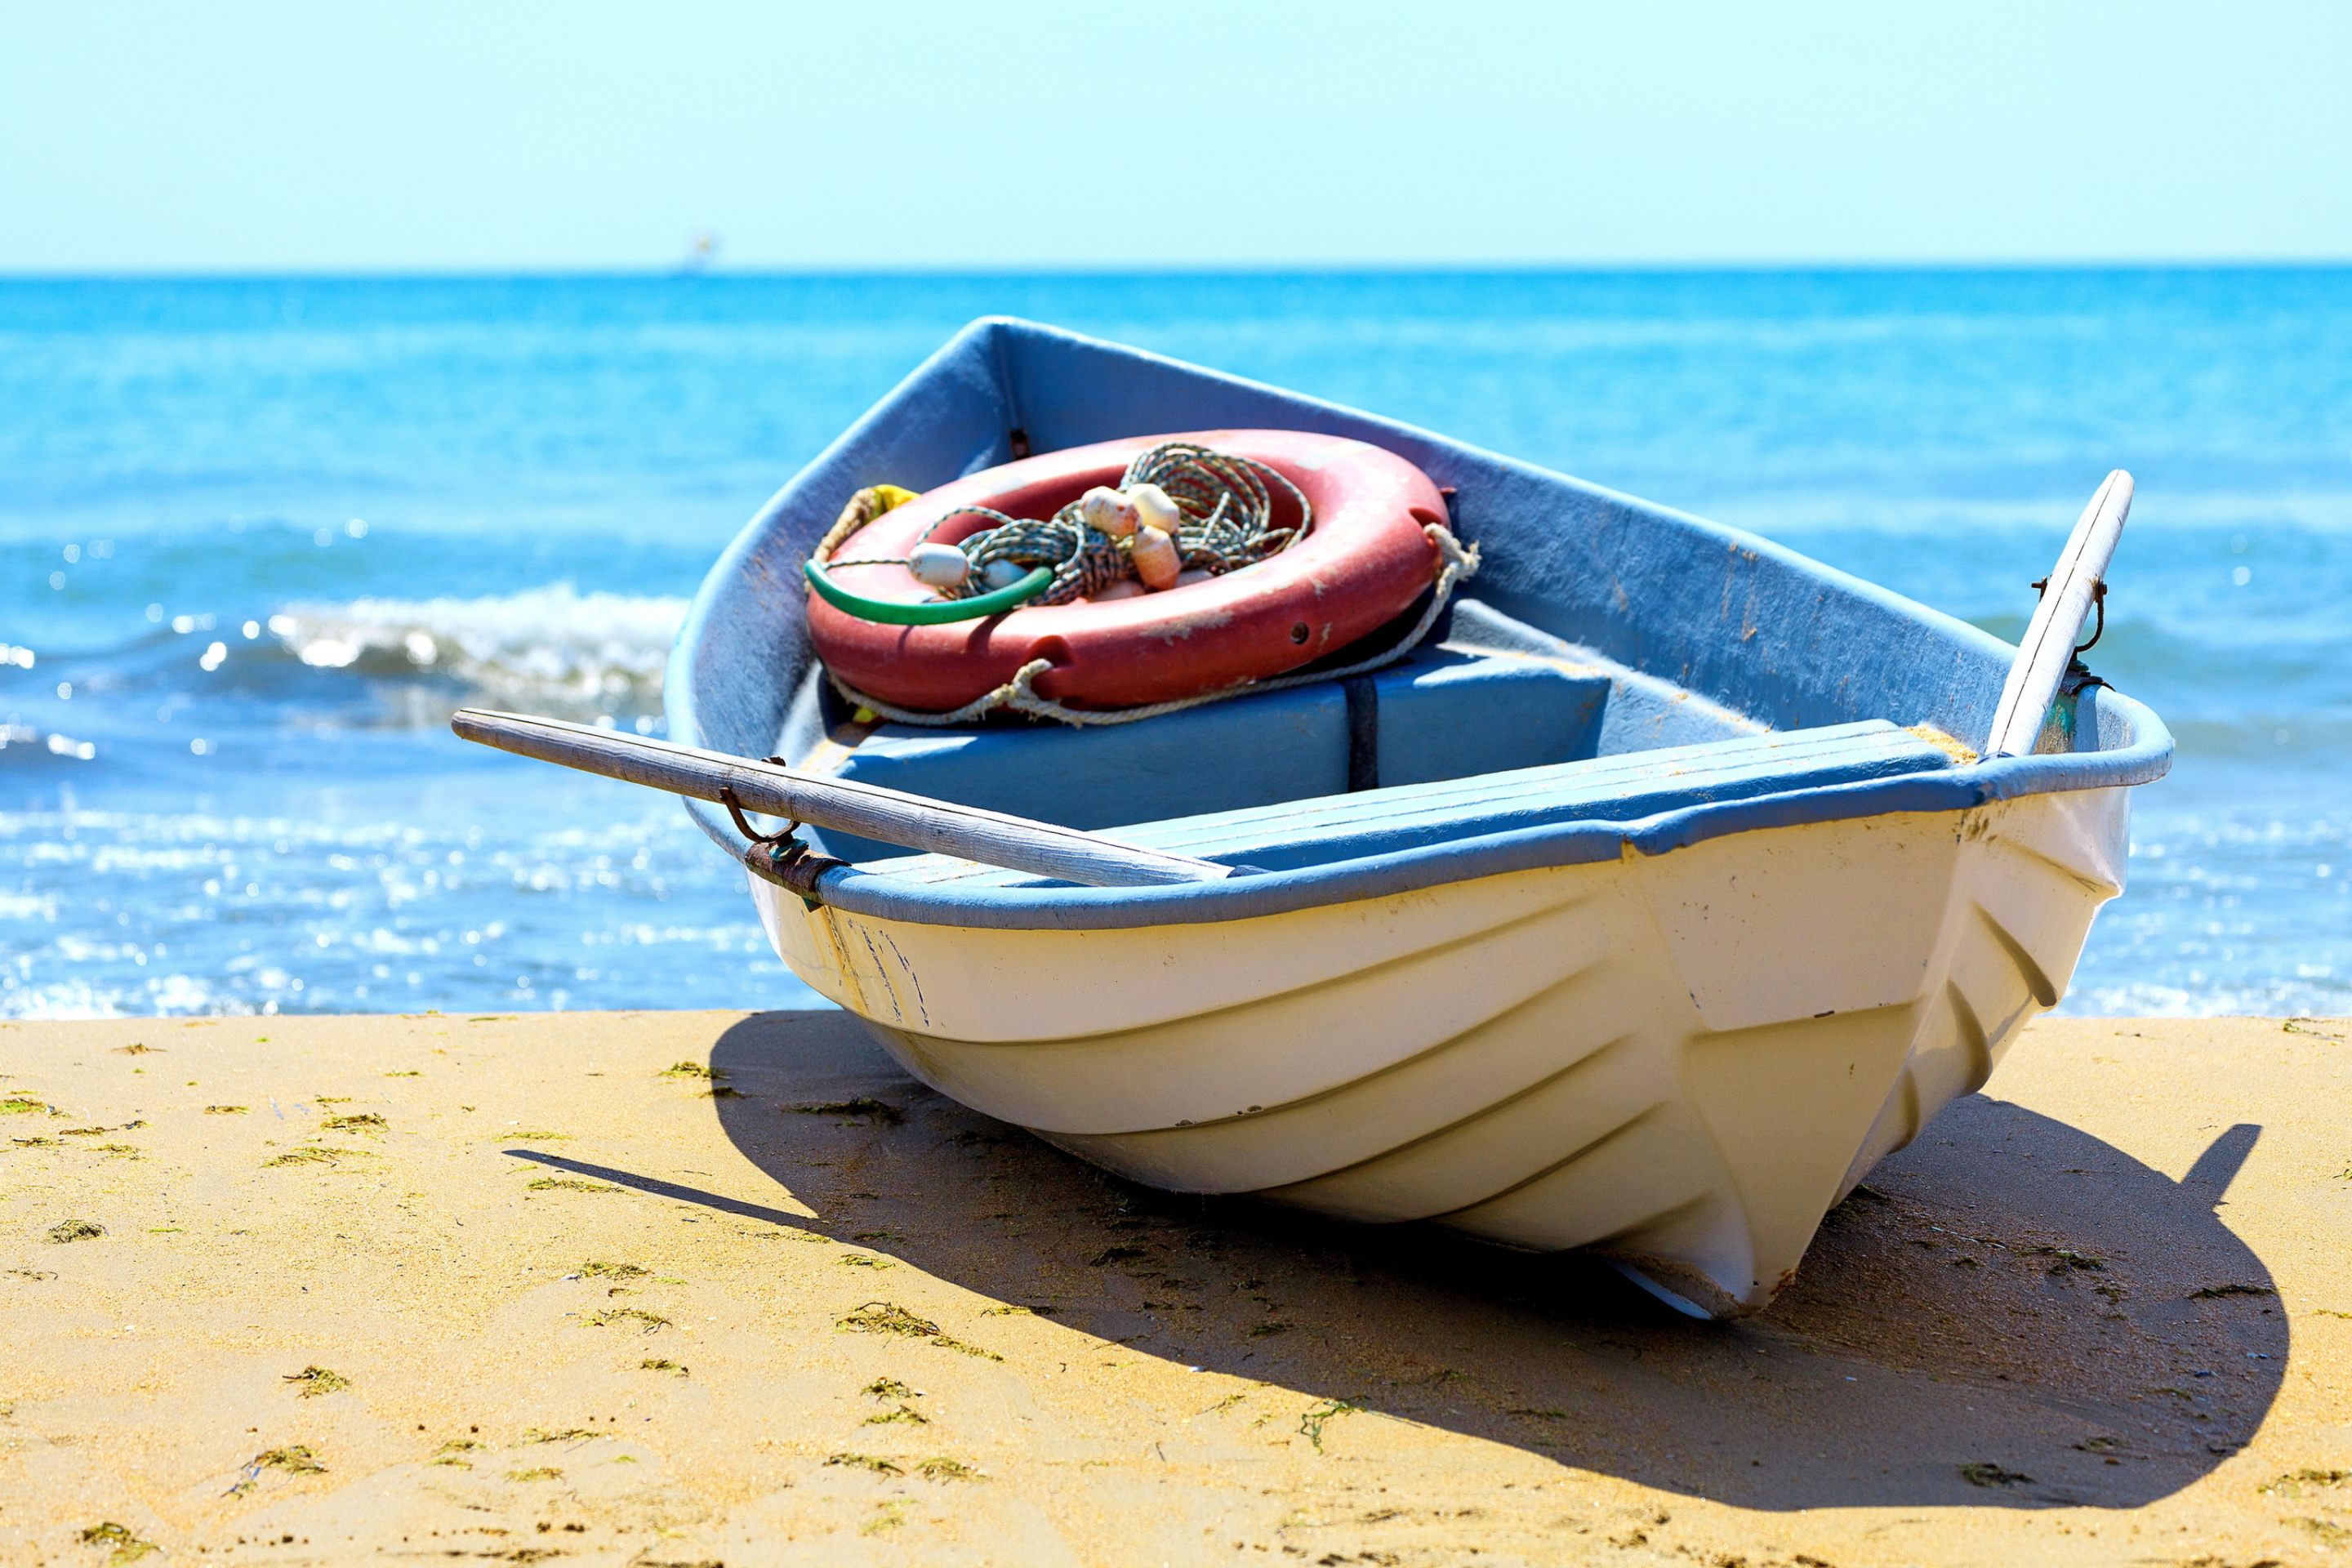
1494,709
1327,830
1611,657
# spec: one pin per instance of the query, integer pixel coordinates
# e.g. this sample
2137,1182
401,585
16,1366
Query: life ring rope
1222,518
1019,695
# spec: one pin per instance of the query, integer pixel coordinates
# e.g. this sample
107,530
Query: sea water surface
257,538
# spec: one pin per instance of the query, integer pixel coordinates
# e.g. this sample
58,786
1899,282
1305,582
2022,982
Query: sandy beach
700,1288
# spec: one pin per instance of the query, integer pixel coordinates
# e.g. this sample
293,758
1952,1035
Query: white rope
1019,695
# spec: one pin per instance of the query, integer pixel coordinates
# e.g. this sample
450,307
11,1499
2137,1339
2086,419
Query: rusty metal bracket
781,858
2098,602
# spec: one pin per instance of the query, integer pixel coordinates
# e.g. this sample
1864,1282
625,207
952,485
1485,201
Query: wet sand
697,1287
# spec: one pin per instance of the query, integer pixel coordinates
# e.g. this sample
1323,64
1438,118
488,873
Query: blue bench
1443,714
1335,827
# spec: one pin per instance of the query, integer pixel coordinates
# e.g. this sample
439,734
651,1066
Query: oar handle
2066,598
842,806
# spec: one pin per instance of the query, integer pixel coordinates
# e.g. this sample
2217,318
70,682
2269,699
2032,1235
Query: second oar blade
2049,644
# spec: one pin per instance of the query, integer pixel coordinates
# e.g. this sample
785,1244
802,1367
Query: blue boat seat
1622,788
1442,714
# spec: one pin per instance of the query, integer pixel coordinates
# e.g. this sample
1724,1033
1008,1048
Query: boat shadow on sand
2009,1312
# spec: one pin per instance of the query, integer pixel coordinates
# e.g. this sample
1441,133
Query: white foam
166,996
550,649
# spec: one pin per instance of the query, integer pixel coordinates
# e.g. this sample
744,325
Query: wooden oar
909,821
2049,644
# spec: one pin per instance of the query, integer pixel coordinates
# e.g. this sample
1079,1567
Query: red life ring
1364,562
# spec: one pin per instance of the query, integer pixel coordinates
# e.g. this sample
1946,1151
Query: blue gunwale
1751,624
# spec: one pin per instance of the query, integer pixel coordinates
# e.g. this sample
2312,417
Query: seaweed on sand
864,1105
295,1459
313,1381
947,1469
314,1154
1310,1425
1986,1474
947,1343
128,1548
567,1435
2065,1260
653,1321
887,1318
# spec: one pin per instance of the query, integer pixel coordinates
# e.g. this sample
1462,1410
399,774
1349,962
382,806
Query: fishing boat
1659,885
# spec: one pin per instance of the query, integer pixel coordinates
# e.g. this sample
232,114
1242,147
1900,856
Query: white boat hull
1679,1060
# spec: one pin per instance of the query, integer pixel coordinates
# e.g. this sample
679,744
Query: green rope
863,507
921,613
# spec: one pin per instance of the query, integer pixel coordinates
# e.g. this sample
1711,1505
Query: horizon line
912,271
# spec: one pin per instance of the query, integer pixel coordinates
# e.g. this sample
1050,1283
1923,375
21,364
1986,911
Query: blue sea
257,538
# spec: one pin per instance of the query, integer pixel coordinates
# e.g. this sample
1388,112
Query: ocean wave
570,895
164,997
550,649
2257,998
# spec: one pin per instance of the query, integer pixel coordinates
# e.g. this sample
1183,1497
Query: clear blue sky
492,135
